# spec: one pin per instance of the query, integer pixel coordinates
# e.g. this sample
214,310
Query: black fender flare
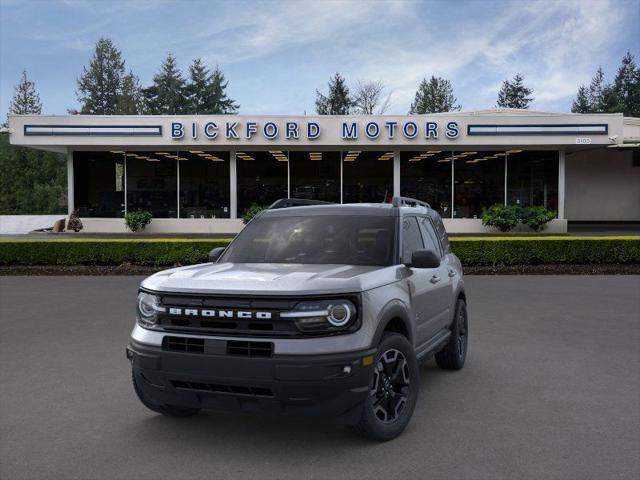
392,310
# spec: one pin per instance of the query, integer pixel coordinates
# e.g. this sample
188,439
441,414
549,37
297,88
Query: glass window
204,184
442,234
532,178
479,182
315,175
429,236
426,175
152,183
367,177
315,239
99,184
262,178
411,238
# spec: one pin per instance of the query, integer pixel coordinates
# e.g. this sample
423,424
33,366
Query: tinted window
429,236
411,238
349,240
442,234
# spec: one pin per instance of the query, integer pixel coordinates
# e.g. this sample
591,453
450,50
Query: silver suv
311,310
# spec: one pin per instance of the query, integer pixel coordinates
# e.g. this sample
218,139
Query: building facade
201,173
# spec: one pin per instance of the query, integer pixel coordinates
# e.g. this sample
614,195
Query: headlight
323,316
148,308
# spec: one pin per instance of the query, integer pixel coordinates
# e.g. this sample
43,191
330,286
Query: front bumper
333,385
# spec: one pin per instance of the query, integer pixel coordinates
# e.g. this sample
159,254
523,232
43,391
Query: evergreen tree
167,95
596,91
100,85
581,104
627,86
514,94
338,101
206,91
25,99
130,101
433,96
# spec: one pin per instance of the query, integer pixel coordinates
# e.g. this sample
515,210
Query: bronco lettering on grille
242,314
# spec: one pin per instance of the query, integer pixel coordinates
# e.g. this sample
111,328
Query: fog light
368,360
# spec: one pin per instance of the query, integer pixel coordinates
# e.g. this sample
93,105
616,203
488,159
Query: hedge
470,250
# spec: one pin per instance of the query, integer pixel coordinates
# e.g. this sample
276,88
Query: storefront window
99,184
262,178
152,183
315,175
426,176
204,184
532,178
478,182
367,176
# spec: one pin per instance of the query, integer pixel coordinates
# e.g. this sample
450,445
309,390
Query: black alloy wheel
391,383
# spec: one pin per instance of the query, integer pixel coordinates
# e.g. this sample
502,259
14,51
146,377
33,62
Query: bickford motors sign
294,130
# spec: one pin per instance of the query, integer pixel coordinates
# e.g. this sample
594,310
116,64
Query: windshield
349,240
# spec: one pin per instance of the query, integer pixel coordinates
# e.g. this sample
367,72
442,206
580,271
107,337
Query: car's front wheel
393,390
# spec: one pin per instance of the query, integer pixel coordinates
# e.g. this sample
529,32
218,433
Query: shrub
251,212
505,218
137,220
537,217
74,223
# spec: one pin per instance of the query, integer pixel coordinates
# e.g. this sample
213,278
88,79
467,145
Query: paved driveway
551,390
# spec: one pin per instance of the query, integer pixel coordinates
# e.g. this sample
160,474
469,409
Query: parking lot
551,390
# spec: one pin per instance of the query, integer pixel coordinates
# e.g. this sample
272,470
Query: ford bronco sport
320,309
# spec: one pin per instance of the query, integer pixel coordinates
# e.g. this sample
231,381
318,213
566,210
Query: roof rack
408,202
296,202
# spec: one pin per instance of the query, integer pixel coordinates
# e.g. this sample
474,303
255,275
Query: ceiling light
152,160
514,151
162,153
141,157
131,154
116,151
444,160
196,151
434,151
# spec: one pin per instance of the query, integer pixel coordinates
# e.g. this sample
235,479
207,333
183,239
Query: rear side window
442,234
411,238
430,239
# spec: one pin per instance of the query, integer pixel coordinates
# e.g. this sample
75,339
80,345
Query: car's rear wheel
454,353
169,410
393,390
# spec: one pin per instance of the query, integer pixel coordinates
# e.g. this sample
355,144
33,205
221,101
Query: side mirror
424,259
214,254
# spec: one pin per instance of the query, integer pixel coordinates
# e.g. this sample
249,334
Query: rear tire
168,410
454,353
393,391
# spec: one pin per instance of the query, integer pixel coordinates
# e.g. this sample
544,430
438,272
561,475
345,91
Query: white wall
14,224
602,185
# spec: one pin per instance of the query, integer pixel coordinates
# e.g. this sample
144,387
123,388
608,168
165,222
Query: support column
506,170
233,185
561,177
396,173
70,184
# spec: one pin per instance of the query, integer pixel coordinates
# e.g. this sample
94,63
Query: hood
271,279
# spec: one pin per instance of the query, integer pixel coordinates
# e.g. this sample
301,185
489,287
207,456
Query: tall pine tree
338,100
514,94
433,96
581,104
130,101
167,94
206,92
627,86
25,99
100,85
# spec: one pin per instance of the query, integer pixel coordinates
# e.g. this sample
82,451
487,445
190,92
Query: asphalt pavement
551,389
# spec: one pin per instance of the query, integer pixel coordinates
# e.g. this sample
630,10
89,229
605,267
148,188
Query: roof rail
408,202
296,202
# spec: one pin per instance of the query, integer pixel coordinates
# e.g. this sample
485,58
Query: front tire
393,391
454,353
168,410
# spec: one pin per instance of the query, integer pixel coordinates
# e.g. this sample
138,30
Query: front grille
183,344
250,349
228,389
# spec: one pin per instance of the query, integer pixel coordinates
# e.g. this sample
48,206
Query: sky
275,54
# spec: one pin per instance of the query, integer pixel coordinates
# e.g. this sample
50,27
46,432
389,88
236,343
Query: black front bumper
310,385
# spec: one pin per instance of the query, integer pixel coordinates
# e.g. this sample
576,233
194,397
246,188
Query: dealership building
199,174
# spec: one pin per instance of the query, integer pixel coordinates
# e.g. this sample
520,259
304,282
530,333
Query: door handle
452,273
435,279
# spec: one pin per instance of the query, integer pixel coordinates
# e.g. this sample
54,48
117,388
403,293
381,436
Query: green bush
504,218
107,252
536,217
137,220
251,212
168,252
